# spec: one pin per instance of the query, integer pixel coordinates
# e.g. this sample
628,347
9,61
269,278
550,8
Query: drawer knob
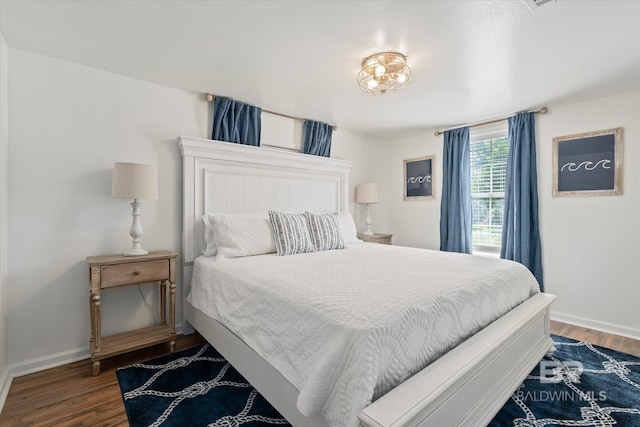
136,273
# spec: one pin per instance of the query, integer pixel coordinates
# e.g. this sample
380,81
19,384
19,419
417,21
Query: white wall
68,124
415,222
4,198
368,156
589,244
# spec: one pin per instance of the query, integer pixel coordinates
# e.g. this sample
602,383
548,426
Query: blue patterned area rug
192,388
580,385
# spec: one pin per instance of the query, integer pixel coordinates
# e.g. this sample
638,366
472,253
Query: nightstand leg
163,302
96,368
92,339
172,346
95,323
172,308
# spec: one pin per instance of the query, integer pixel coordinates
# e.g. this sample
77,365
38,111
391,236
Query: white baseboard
5,385
610,328
41,363
48,361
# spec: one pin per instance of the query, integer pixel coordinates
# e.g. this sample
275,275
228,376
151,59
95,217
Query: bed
465,386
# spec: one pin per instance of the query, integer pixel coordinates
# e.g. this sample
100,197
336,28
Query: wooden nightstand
110,271
385,239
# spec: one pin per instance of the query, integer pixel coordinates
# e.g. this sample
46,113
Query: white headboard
223,177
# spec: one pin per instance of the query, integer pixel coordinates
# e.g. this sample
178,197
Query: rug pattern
195,387
579,385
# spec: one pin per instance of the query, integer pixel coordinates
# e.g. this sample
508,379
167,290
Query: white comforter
346,326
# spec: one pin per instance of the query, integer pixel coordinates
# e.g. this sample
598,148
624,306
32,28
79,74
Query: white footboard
469,385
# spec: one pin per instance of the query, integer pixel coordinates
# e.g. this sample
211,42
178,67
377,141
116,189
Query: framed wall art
419,178
588,164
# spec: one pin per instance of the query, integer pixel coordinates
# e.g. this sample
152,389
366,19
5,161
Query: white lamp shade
367,193
134,181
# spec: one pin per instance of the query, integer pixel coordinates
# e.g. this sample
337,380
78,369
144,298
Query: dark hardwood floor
69,396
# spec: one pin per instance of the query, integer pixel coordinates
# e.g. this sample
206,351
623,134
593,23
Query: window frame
480,133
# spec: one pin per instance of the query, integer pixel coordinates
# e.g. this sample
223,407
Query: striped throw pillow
325,231
290,233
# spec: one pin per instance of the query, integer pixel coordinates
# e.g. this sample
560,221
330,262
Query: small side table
384,239
110,271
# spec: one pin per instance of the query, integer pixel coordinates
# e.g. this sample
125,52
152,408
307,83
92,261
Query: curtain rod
209,97
543,110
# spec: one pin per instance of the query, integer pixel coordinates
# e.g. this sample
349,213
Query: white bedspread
347,326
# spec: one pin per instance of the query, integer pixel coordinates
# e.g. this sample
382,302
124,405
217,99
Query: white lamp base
136,252
367,222
136,231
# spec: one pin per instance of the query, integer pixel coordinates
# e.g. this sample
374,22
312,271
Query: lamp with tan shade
367,194
135,181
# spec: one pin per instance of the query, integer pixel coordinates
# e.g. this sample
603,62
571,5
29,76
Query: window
488,175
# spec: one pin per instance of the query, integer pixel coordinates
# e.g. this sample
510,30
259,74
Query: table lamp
135,181
367,194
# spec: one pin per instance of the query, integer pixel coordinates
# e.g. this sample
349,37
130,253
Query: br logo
552,372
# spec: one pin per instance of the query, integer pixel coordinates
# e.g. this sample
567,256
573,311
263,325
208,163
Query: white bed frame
465,387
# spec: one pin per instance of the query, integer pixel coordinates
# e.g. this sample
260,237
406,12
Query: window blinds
488,175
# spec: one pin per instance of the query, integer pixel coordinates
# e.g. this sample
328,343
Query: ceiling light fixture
384,72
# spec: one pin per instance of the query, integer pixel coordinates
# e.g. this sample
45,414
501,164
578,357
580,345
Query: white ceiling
470,60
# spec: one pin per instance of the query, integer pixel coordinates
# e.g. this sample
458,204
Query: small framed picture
419,178
588,164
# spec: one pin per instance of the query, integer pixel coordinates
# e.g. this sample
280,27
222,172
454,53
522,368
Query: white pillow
348,228
210,248
239,235
291,233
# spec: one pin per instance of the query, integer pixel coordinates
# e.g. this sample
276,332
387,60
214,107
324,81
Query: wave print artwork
572,167
419,179
588,164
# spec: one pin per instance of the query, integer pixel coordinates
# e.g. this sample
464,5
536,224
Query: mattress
346,326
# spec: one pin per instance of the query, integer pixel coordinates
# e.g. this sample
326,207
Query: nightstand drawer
140,272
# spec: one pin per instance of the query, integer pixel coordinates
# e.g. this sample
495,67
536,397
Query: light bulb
380,70
402,78
372,83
